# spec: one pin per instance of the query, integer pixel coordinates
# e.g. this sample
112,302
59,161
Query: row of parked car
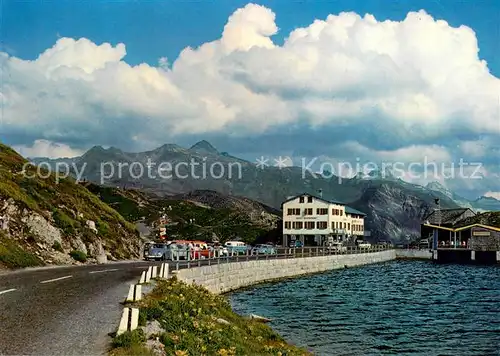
182,250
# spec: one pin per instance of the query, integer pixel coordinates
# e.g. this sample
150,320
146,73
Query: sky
331,81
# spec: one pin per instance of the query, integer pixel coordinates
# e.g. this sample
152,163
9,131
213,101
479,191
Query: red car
200,250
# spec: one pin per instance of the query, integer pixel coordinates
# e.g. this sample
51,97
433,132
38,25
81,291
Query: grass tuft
57,246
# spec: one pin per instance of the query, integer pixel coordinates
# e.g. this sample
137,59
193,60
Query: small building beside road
471,238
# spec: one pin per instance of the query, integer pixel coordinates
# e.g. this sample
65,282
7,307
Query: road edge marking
56,279
7,290
104,270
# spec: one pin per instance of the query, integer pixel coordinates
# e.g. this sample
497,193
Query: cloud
495,195
384,89
44,148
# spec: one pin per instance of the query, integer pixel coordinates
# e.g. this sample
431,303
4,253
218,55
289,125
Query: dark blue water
394,308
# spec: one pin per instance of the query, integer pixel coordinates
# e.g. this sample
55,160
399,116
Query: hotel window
308,211
301,199
345,225
289,212
309,199
309,225
297,225
297,211
321,225
321,211
349,226
341,213
287,225
333,225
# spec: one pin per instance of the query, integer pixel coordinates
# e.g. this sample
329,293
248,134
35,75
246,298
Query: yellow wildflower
181,353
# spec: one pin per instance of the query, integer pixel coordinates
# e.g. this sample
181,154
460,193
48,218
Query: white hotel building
312,219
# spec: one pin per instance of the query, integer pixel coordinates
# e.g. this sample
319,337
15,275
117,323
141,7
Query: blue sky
153,29
266,78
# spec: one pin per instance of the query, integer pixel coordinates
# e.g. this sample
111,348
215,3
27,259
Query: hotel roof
348,209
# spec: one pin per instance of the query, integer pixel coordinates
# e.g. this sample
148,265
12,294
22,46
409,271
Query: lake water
399,307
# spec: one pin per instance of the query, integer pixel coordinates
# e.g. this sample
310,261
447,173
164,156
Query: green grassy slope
225,222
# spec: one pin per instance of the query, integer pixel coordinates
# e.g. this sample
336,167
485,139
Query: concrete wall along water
225,277
414,254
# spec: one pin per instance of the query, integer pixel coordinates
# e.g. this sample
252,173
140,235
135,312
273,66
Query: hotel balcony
339,231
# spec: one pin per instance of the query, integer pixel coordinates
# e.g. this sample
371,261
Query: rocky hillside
491,218
45,221
260,214
395,213
372,193
204,215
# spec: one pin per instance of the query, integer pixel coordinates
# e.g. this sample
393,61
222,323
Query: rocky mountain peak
204,146
438,187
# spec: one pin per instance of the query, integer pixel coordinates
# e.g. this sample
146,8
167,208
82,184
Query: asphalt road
63,311
67,310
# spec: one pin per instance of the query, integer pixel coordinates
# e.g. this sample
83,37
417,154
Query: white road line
105,270
7,291
56,279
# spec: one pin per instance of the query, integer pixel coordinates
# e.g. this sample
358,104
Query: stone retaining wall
226,277
414,254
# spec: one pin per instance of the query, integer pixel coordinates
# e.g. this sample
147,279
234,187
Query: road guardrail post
134,293
143,277
123,321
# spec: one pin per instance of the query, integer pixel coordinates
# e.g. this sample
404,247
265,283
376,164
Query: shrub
102,228
129,338
57,246
79,256
63,221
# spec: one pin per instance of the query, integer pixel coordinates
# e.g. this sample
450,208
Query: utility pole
438,211
439,217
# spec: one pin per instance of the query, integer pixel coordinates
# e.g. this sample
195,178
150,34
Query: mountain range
395,208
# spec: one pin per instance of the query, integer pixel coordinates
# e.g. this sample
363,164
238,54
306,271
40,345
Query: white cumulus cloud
411,85
44,148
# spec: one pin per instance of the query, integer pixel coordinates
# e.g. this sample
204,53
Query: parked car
145,251
236,247
264,249
200,250
363,244
178,251
336,247
296,244
159,251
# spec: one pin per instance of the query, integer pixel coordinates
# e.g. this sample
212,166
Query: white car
364,244
336,246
